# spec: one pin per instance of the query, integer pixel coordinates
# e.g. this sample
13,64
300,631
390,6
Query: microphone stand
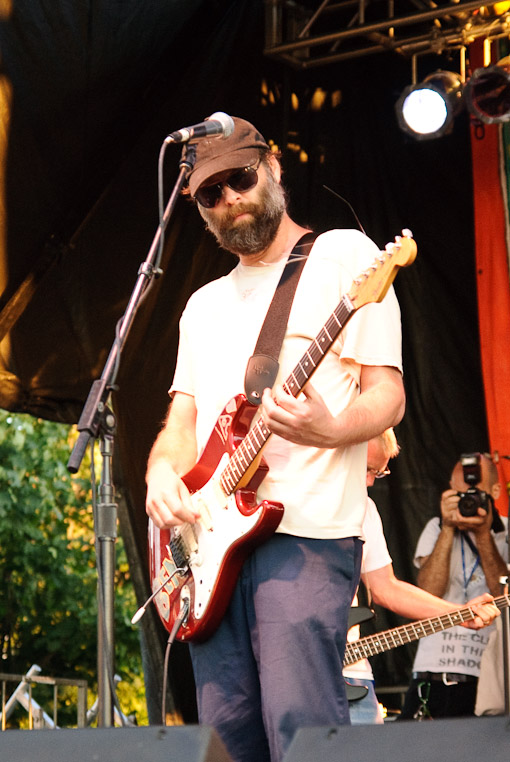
505,643
97,420
506,628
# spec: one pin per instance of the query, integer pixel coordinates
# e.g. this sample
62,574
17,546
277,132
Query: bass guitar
194,567
407,633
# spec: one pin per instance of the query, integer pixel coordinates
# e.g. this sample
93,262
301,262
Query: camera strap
467,579
467,538
497,524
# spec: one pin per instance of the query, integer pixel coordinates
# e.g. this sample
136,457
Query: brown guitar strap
263,365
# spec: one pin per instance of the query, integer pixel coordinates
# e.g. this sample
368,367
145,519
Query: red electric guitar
200,562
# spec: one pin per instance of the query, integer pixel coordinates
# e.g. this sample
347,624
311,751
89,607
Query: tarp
89,92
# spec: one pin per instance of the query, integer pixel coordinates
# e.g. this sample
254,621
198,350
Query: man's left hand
304,421
486,612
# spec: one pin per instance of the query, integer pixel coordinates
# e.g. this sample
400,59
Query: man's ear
495,491
275,167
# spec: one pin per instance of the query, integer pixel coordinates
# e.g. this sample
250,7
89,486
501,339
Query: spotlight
488,92
426,110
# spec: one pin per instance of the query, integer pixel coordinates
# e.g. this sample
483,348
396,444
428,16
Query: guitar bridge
179,551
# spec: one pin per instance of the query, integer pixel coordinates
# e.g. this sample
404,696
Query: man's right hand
168,501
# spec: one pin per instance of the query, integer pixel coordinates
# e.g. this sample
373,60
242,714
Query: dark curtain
95,89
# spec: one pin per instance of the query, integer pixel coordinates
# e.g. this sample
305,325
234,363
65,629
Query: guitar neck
407,633
251,446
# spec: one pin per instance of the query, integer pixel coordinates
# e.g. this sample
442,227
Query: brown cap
240,149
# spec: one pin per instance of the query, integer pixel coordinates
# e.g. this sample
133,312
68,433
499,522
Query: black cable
183,615
326,187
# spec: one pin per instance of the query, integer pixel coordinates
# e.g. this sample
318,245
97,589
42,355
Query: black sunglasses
240,180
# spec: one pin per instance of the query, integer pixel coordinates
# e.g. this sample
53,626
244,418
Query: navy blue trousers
275,663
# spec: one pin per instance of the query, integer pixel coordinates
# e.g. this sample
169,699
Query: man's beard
253,235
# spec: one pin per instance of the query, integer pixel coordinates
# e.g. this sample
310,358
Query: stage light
488,92
426,110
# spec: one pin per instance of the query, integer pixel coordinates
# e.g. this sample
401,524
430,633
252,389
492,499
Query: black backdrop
93,90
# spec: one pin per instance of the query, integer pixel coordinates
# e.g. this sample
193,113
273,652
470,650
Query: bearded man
274,663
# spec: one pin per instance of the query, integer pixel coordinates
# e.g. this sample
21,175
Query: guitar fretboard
407,633
244,455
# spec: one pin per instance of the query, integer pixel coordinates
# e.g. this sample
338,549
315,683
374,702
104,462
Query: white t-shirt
457,649
323,490
375,556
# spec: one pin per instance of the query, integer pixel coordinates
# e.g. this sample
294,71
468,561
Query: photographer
458,556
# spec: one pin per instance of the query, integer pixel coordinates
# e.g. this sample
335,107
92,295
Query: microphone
217,125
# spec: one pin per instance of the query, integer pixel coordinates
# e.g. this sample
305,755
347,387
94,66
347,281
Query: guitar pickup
205,514
200,502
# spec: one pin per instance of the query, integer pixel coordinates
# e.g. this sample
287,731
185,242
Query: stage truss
313,33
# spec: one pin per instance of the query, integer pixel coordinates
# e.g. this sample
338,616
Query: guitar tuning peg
407,233
389,248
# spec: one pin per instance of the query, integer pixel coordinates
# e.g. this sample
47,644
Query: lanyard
477,561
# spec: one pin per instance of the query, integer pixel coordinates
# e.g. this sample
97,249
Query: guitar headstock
373,284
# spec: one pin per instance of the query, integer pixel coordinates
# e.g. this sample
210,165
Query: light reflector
488,93
426,110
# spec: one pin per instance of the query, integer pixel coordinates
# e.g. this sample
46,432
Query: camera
472,499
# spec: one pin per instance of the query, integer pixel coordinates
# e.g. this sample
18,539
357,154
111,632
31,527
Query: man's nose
230,196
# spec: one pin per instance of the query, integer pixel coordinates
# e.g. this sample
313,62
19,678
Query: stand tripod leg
505,620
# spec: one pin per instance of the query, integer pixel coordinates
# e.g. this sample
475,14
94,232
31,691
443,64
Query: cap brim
242,157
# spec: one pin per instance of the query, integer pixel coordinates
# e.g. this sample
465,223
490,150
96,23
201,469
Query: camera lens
471,501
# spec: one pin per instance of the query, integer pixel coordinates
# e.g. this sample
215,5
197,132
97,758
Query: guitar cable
141,611
182,616
180,619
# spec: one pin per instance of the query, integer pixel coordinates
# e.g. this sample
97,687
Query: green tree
48,581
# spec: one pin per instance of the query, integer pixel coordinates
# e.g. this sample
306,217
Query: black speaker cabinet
189,743
455,740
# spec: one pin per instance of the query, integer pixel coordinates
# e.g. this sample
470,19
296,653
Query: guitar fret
291,385
251,446
334,316
331,327
300,377
236,470
255,435
322,338
303,371
227,483
393,640
307,353
240,454
318,347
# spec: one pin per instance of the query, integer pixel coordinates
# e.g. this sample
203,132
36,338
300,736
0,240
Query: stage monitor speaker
468,739
190,743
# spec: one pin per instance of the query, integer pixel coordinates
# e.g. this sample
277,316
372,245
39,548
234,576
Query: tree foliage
48,603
